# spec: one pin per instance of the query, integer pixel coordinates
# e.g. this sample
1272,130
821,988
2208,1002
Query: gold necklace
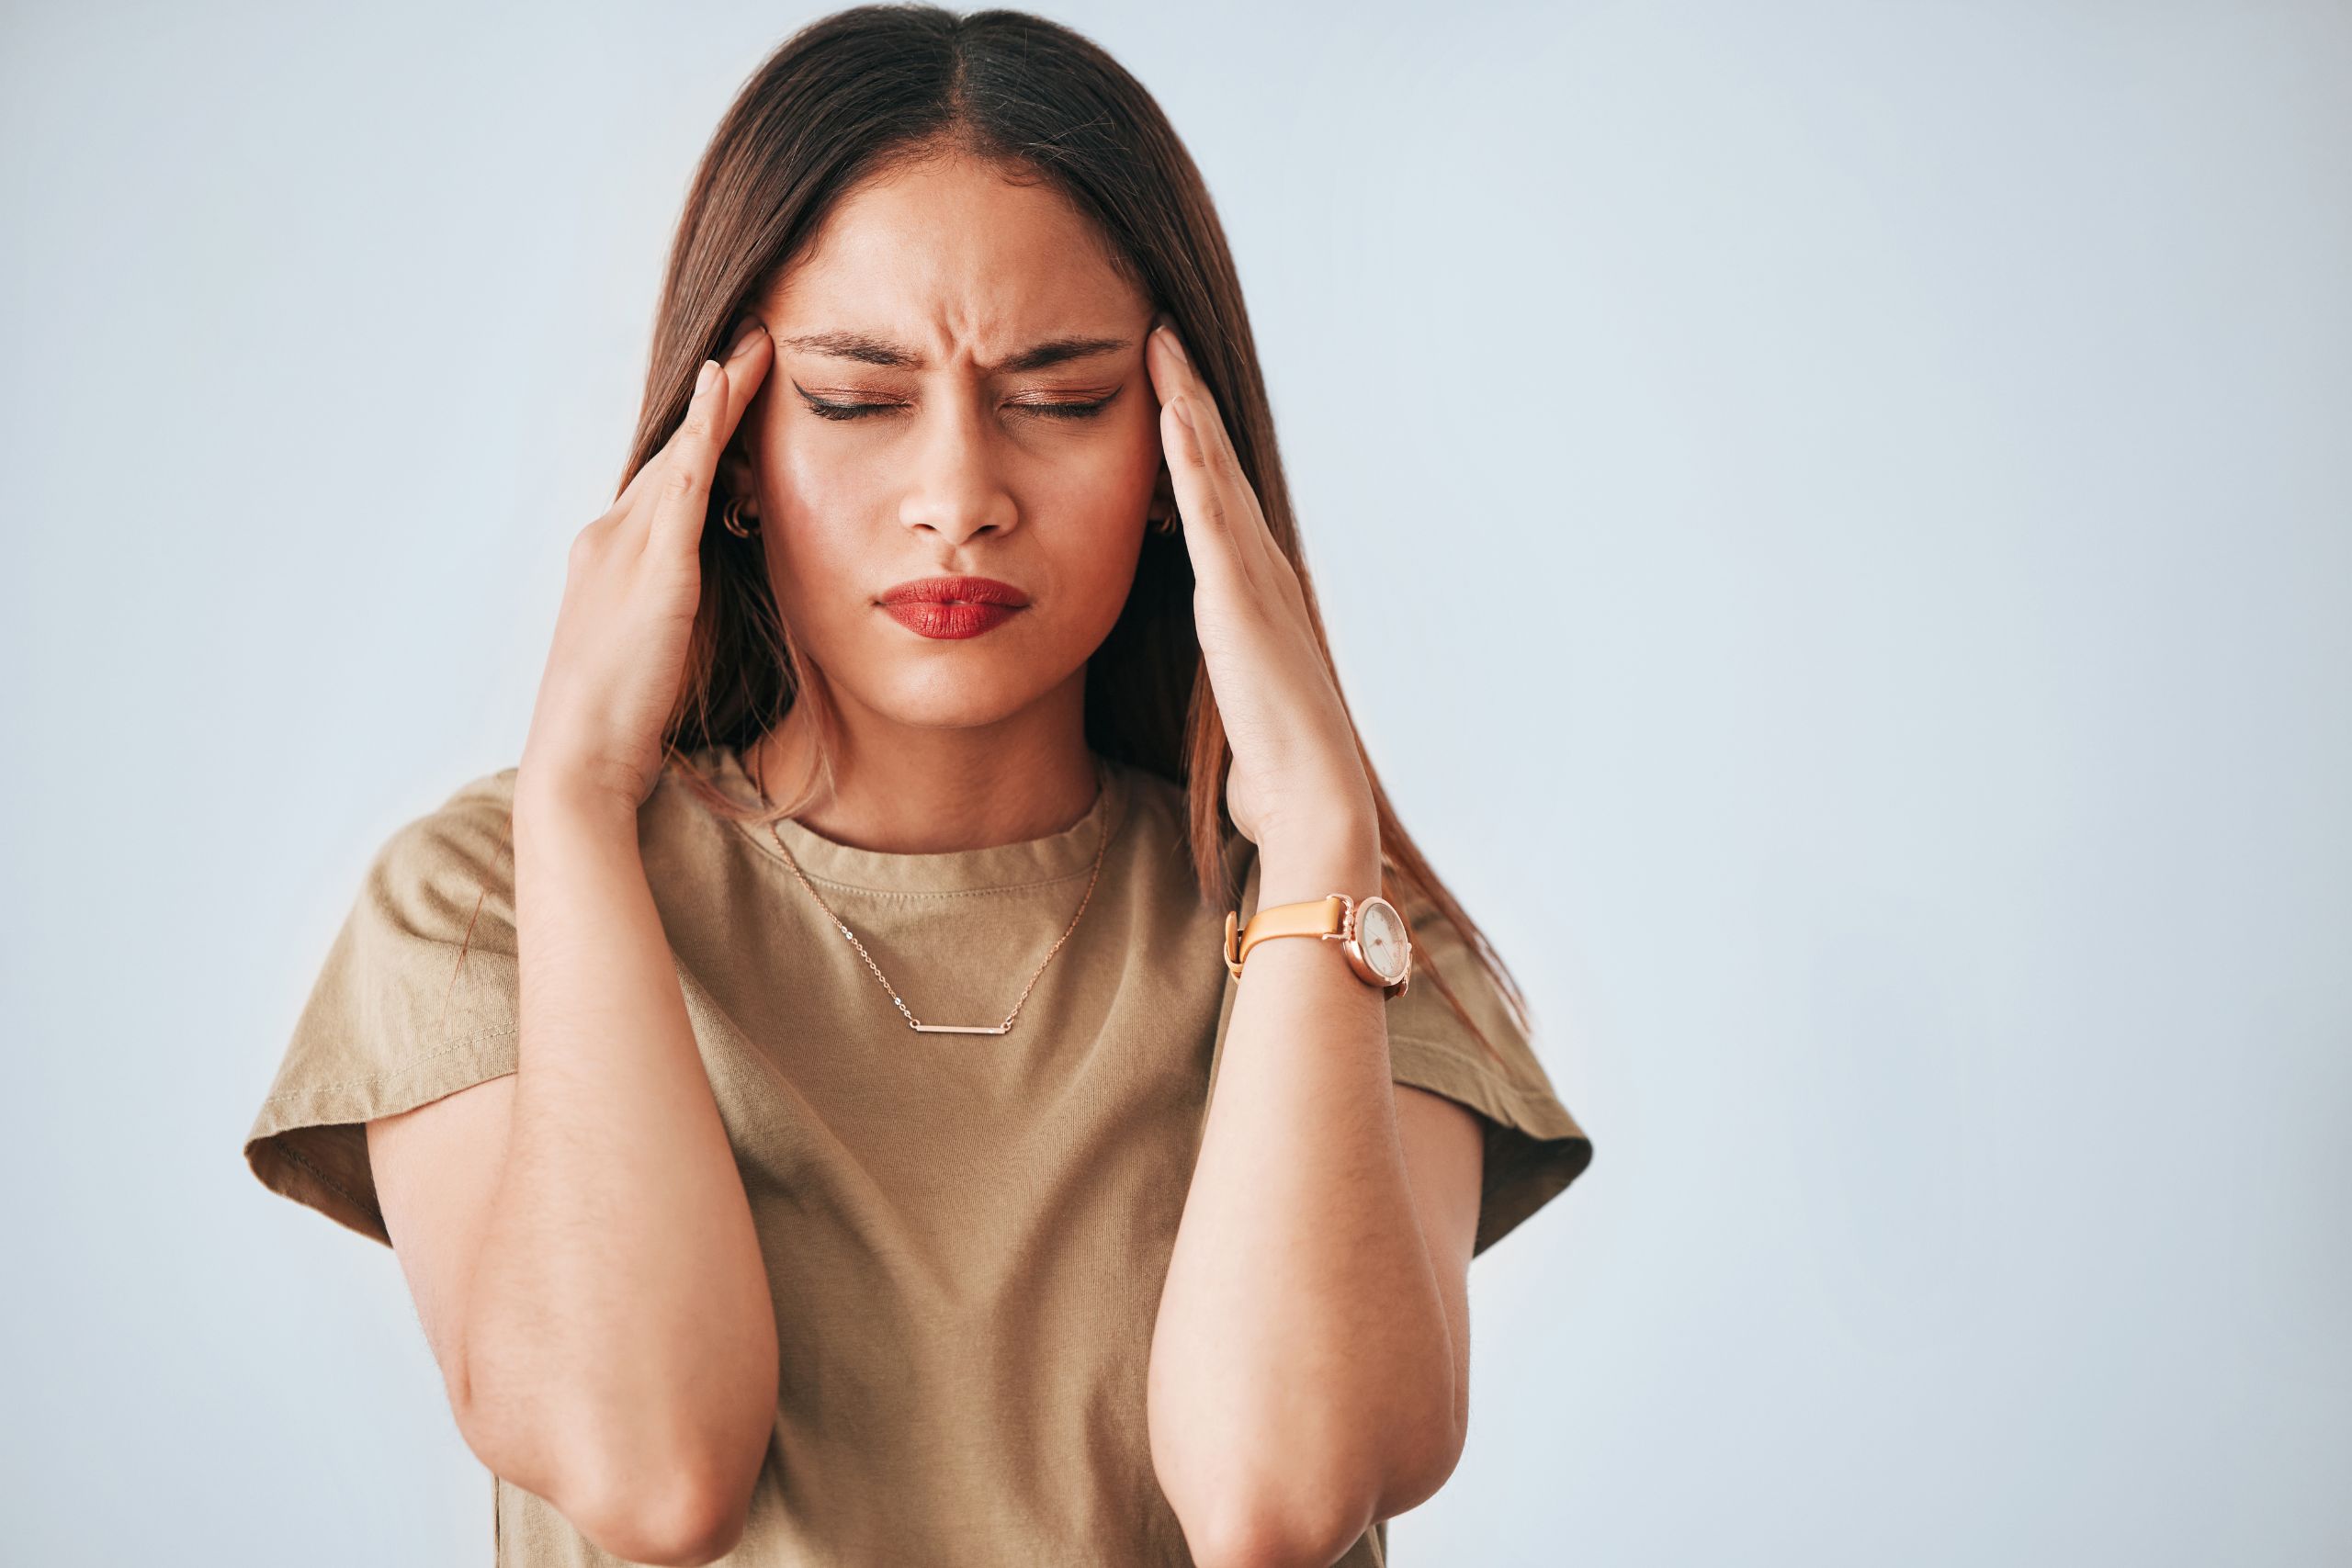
1102,784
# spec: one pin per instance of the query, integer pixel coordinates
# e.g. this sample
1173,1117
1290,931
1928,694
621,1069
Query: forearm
620,1332
1301,1329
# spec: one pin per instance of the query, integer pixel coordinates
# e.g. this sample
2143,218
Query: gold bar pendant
962,1028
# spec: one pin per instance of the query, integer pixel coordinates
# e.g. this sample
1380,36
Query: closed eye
1067,411
824,410
828,409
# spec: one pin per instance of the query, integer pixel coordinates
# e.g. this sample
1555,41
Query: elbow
1266,1536
681,1520
1305,1524
1411,1488
1259,1512
675,1504
639,1504
1419,1467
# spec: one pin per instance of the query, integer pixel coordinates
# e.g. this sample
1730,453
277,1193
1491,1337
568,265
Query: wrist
562,803
1338,856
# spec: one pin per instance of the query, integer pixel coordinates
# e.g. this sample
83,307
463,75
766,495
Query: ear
736,474
1163,493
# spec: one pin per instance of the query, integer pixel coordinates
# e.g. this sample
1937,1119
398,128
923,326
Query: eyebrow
867,349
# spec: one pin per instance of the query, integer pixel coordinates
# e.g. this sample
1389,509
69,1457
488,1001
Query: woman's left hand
1296,775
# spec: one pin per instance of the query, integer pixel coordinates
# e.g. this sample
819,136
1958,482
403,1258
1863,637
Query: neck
909,789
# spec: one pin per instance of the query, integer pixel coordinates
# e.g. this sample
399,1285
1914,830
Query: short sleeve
418,998
1534,1148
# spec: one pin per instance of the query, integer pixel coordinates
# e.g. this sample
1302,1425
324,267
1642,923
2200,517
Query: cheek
813,506
823,480
817,561
1106,480
1090,500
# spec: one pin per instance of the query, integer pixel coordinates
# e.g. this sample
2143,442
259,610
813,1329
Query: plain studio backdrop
1836,520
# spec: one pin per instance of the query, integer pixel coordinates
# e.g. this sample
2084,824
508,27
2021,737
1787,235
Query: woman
788,1090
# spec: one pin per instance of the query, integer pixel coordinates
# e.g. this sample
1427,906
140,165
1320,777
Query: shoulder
460,849
480,807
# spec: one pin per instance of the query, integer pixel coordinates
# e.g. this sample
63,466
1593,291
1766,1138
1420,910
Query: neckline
998,868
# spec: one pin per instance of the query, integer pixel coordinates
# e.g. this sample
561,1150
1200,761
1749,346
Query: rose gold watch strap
1315,917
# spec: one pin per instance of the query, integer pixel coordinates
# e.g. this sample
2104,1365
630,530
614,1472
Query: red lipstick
952,606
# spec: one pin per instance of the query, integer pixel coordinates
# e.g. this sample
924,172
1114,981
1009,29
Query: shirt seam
289,1152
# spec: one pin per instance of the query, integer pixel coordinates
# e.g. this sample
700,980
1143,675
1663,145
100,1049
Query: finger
676,501
1217,446
1203,502
1212,451
1184,378
682,497
746,365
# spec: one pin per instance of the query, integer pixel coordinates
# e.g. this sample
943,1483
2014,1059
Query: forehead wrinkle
867,348
976,261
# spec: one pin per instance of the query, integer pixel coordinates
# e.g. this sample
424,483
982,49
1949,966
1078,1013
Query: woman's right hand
631,588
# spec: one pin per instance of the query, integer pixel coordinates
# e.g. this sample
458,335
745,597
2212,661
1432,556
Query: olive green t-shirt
966,1234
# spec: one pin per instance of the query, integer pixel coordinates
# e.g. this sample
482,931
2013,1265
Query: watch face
1380,934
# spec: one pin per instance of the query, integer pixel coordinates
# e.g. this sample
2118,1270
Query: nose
955,487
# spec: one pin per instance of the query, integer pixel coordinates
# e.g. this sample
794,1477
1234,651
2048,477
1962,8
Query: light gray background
1835,519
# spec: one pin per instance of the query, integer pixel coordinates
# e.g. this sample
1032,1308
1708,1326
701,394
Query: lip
951,608
948,590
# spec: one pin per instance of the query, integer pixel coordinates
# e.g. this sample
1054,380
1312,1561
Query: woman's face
958,388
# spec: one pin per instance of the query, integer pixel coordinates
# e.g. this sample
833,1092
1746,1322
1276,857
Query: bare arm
620,1336
1309,1364
577,1235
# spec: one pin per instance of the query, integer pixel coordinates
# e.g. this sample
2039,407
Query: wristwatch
1369,931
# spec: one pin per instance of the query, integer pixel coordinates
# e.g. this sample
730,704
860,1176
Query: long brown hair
845,97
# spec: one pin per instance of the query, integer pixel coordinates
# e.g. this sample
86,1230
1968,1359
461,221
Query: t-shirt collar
997,868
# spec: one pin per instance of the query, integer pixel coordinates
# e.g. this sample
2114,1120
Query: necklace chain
1104,786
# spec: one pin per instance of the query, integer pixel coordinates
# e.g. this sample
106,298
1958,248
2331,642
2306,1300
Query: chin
960,696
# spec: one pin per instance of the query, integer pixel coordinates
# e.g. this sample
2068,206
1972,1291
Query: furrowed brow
863,347
1054,351
867,349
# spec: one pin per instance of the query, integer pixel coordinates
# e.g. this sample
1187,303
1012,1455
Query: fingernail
709,374
751,329
1183,412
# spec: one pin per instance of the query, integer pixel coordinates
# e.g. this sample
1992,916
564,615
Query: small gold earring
732,515
1168,524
